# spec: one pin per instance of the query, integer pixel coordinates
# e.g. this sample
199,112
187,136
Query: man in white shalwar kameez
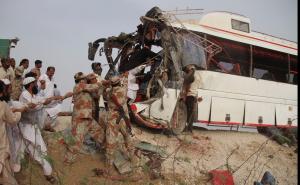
50,111
13,132
7,117
29,127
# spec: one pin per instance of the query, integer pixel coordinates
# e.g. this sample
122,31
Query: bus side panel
204,105
221,82
227,111
259,114
163,108
286,113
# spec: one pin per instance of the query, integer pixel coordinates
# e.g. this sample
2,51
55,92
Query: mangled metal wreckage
158,104
234,95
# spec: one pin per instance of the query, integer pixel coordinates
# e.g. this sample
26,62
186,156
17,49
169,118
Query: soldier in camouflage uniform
82,119
117,98
92,79
17,83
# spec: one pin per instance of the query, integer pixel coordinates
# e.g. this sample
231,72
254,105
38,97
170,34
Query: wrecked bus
248,79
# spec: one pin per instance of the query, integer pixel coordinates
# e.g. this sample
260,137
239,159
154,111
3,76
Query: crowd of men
30,105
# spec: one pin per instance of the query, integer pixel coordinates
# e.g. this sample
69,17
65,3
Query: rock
121,163
151,148
257,183
268,178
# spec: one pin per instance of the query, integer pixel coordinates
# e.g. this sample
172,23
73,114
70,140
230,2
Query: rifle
122,114
126,119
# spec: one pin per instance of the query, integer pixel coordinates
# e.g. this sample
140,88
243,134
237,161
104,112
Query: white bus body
235,101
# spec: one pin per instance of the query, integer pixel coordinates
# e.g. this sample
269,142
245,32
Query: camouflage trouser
81,127
112,141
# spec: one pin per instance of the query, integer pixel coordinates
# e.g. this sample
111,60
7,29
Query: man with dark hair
17,83
48,78
37,68
7,118
189,94
12,63
7,89
56,91
13,132
97,69
25,63
4,70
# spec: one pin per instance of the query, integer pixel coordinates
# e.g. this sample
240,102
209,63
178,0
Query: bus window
273,62
227,67
258,73
268,76
293,78
240,26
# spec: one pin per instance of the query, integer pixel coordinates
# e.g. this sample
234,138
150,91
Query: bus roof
236,27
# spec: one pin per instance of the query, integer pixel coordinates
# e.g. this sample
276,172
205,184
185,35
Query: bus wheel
179,117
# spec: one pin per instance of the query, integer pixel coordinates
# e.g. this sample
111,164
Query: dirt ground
189,159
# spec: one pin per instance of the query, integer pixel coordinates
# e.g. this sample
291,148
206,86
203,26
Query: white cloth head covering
5,81
28,80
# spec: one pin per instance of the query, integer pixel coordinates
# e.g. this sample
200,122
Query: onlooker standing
56,91
48,77
13,132
17,83
4,70
37,68
24,64
12,63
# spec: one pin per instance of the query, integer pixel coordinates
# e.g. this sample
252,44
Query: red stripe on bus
219,122
250,37
259,124
286,126
247,124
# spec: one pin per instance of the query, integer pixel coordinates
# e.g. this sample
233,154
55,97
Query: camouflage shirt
120,92
83,100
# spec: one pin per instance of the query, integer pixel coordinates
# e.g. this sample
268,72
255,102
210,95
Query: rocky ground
187,160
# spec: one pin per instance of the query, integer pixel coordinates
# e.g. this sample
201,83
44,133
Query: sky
58,31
